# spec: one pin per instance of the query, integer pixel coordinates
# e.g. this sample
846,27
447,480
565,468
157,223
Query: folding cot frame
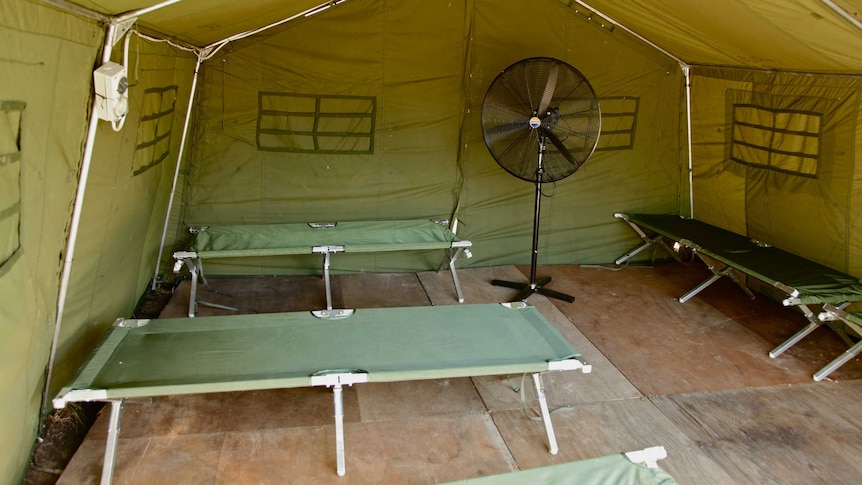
853,321
325,238
148,358
803,281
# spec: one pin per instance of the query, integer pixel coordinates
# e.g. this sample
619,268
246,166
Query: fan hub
535,122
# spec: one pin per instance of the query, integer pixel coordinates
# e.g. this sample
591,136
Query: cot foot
525,290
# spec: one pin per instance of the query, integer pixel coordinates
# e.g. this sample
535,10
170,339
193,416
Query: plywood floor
692,377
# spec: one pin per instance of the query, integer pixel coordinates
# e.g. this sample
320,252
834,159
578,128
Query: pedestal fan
541,122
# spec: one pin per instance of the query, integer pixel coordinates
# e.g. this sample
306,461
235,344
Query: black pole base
527,289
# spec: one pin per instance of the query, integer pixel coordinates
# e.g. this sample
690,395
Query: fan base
527,289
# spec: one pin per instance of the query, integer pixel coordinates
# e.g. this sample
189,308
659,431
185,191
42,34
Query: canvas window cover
154,130
316,123
776,139
10,185
619,119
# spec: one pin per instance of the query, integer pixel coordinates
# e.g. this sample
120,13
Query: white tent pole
632,32
74,225
211,49
139,12
76,220
844,13
177,170
686,71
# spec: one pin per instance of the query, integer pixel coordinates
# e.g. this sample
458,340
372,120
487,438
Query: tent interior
743,113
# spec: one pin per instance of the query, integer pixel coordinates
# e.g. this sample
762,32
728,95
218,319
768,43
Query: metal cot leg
326,283
629,255
838,362
327,251
339,429
647,242
546,414
455,275
812,326
113,439
193,289
716,275
336,381
697,289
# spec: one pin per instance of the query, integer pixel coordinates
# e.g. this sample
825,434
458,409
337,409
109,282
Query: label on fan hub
535,122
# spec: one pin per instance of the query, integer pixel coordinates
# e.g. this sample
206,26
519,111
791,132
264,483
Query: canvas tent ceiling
793,35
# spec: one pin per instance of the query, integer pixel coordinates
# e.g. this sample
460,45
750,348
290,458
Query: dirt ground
64,430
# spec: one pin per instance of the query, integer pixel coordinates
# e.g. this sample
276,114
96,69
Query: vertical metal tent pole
176,172
686,71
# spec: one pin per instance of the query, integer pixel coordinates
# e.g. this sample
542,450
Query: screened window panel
11,113
154,129
308,123
619,120
782,140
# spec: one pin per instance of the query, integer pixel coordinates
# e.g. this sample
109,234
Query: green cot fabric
815,283
287,239
605,470
278,350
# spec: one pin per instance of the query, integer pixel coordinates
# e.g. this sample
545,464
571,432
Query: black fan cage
541,102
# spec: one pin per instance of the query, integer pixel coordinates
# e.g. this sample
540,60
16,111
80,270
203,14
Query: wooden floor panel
806,433
692,377
603,428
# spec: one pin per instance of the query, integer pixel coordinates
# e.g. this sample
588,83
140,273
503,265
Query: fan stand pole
527,289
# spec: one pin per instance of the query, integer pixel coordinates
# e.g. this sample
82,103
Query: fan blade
506,112
507,127
550,86
560,147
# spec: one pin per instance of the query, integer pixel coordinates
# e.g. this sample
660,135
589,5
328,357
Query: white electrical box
112,84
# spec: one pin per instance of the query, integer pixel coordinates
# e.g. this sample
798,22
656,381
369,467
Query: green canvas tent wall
692,94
